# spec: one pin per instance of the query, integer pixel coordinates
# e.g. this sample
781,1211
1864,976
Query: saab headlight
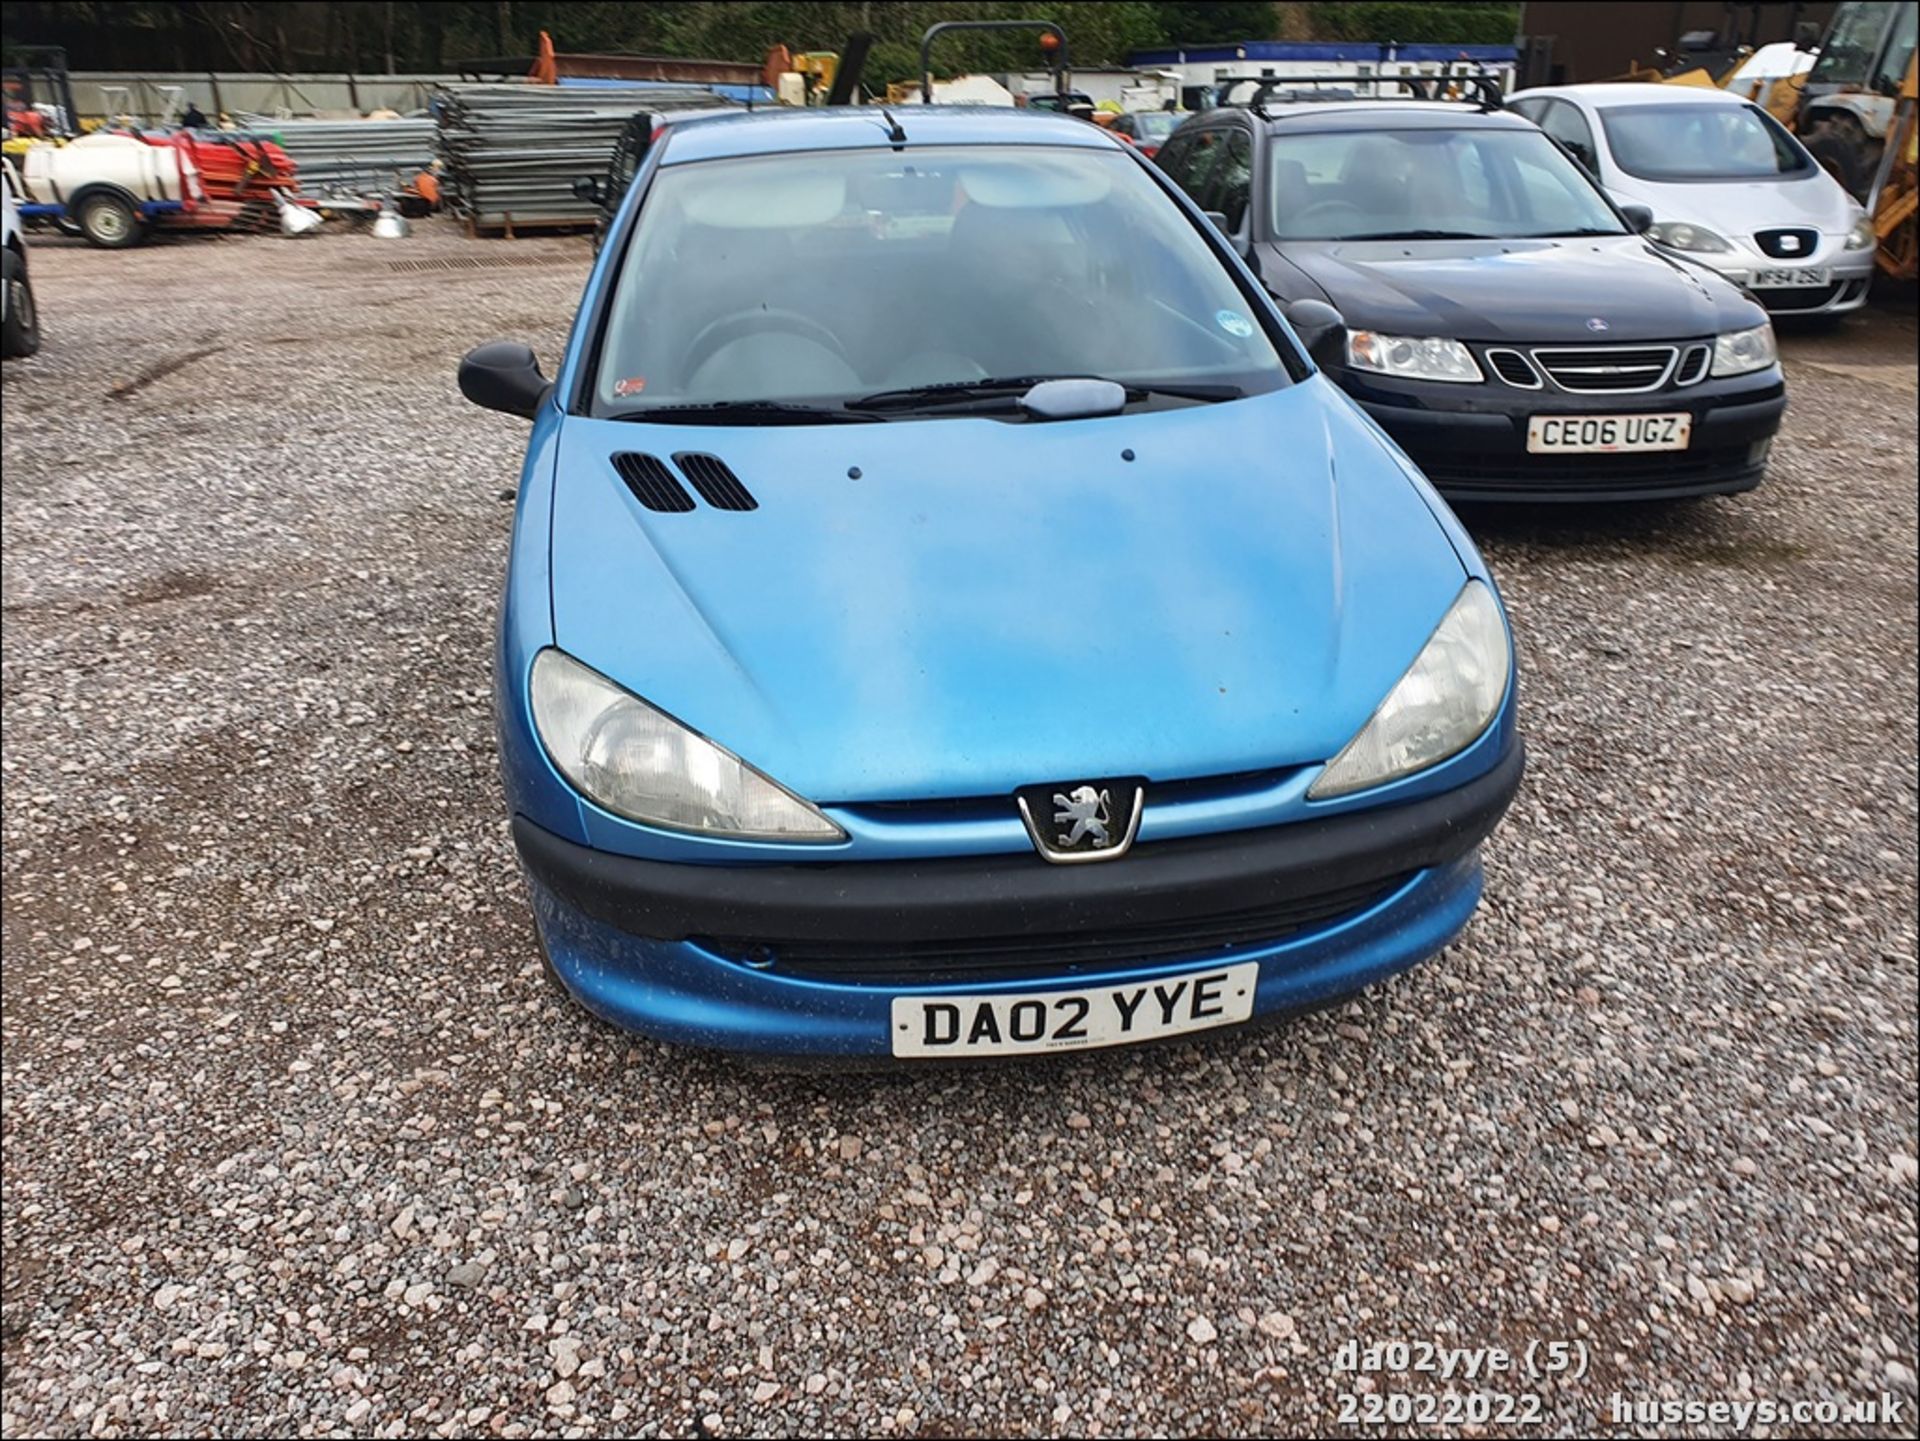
1740,351
1678,235
1413,357
621,753
1447,698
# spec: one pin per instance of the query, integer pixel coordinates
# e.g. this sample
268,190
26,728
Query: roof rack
1485,87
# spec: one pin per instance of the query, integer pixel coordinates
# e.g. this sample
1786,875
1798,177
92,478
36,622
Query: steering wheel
755,321
1323,207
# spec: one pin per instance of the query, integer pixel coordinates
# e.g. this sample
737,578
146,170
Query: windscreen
827,276
1156,124
1851,47
1702,142
1430,184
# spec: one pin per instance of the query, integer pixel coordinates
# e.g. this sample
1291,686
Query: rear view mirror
1219,219
589,189
504,376
1640,217
1322,329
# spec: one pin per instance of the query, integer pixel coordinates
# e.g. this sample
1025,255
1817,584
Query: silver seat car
1728,185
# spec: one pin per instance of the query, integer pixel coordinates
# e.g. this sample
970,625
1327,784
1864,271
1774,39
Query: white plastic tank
52,173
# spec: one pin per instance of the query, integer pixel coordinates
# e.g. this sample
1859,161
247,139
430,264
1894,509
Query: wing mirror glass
1322,329
504,376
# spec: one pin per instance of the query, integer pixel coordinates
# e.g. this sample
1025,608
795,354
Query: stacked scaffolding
512,152
361,157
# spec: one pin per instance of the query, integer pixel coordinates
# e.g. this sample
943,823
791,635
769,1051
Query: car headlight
1678,235
625,755
1449,695
1739,351
1415,357
1861,237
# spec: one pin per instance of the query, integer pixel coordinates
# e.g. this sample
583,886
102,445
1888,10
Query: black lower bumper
1481,454
970,896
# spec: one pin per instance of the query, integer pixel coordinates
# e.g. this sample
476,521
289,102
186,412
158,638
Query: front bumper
1473,446
694,954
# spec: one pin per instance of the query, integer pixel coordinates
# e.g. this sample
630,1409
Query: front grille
1788,243
1799,297
1001,958
1514,368
1693,365
949,810
1597,369
1494,470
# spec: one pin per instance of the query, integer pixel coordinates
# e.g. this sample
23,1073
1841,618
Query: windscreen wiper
996,396
1424,235
948,392
741,412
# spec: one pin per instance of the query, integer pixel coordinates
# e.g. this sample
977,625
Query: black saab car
1497,315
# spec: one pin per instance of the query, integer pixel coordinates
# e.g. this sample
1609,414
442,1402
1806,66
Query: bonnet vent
652,484
719,487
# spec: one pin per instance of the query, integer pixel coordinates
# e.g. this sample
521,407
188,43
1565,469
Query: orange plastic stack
239,173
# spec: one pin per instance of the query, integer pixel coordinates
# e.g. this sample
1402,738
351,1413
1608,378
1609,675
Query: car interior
879,274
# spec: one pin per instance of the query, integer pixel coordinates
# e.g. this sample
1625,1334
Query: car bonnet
954,607
1519,291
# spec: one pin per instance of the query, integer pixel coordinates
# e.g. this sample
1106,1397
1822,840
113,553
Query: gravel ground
297,1140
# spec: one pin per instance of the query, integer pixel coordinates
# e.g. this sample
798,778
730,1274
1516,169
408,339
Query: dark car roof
1286,115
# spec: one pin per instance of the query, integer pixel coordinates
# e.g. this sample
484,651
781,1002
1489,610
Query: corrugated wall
235,91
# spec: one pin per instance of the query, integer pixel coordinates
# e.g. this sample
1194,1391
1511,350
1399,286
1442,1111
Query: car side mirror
504,376
589,189
1241,244
1640,217
1322,329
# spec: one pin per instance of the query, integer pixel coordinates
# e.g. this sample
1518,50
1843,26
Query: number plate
1779,279
1602,434
1030,1023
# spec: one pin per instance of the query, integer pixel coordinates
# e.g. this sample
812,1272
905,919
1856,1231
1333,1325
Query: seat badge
1076,821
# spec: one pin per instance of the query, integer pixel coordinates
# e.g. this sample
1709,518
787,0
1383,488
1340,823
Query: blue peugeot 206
950,615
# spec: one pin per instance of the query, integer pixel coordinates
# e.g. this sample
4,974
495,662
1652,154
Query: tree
1216,24
1413,23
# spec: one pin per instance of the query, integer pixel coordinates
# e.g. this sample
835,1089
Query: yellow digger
1854,111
